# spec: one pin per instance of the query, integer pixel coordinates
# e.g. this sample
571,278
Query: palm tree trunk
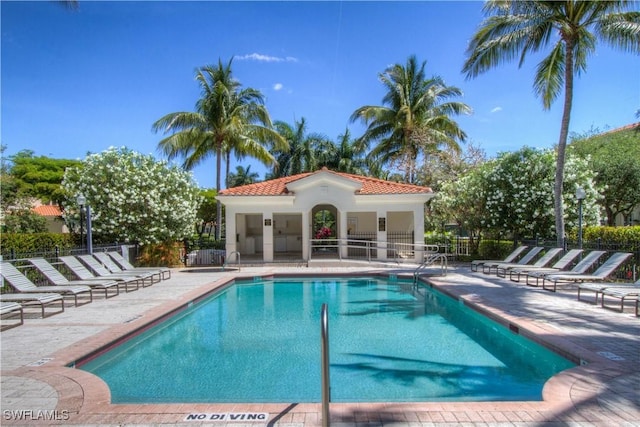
562,143
218,176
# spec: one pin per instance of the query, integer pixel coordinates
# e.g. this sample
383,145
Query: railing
319,247
324,350
430,259
237,253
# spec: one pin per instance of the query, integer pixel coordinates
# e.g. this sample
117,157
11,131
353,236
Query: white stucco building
278,218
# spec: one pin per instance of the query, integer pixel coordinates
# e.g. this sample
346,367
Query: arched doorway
324,229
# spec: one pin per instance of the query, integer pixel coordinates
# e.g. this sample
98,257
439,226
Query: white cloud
496,109
277,86
265,58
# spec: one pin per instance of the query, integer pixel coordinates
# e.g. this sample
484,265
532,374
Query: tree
133,197
511,194
615,158
300,153
39,177
517,28
415,117
347,155
227,118
463,201
242,177
206,212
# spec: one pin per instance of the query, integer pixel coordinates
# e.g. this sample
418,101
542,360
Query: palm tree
300,155
348,155
517,28
415,117
226,116
242,177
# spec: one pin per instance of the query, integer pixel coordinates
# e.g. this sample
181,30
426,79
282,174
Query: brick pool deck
38,389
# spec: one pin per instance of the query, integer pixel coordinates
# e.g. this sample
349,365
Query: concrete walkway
37,387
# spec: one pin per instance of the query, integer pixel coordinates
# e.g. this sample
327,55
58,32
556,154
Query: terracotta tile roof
47,210
370,186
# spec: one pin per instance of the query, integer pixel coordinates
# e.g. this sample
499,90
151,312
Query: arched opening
325,229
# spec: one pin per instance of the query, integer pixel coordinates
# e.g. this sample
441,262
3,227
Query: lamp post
81,200
580,195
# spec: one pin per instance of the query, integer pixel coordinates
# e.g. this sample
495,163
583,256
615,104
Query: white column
267,236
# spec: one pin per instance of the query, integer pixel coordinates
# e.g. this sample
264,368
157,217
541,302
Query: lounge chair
597,288
541,262
528,257
114,268
57,278
604,271
77,268
579,268
510,258
622,293
561,264
127,266
8,310
43,300
94,265
22,284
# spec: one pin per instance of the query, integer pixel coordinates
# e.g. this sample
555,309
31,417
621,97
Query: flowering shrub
514,194
133,197
323,233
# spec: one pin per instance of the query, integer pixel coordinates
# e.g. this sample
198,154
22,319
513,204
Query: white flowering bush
514,194
133,197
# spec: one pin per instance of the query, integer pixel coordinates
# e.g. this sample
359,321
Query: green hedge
30,243
612,234
494,249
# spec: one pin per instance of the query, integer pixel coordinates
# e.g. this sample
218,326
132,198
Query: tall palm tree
226,116
517,28
300,155
242,176
415,117
348,155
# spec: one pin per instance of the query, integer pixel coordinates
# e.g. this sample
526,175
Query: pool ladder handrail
430,259
227,259
324,356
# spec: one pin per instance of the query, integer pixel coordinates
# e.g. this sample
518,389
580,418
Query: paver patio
37,388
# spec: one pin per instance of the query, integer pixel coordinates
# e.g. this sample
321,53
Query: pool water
389,341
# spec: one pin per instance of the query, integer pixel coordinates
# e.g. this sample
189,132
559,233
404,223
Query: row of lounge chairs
102,272
550,277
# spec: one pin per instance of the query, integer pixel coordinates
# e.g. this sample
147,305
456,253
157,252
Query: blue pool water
260,342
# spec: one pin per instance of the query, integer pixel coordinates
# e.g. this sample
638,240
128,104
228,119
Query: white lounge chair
475,264
114,268
560,265
8,310
127,266
93,264
585,264
22,284
621,293
57,278
77,268
604,271
597,288
526,259
43,300
541,262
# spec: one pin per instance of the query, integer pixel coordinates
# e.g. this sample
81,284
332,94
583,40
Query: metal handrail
324,344
346,243
430,260
227,259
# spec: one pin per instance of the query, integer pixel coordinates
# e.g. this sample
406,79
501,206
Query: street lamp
580,195
81,200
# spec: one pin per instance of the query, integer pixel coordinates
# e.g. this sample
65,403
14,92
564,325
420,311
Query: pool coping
87,398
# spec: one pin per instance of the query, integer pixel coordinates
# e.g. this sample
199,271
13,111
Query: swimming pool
389,341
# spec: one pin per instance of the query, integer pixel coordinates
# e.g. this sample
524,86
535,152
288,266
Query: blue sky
81,81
